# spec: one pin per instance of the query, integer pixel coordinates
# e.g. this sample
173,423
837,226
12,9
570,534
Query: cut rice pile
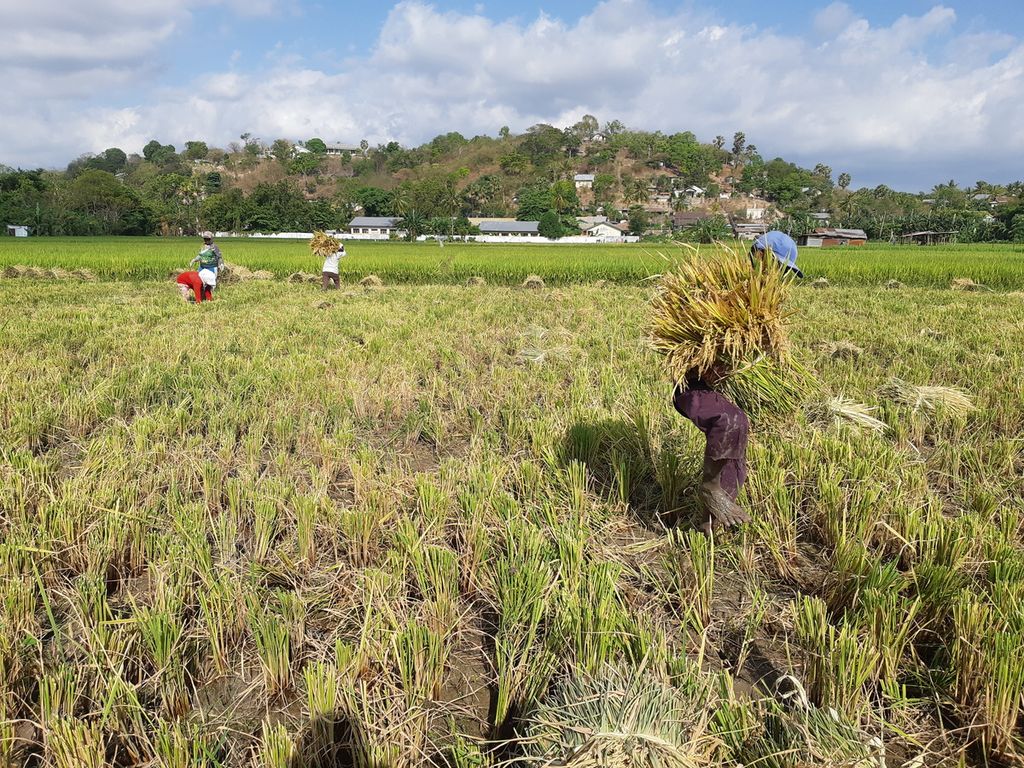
623,718
928,398
723,322
535,282
323,245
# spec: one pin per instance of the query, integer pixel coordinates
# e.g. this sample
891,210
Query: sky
905,93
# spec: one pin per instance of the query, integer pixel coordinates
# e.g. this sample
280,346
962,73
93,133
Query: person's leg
325,278
336,279
726,430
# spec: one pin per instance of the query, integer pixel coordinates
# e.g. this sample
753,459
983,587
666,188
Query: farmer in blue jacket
781,246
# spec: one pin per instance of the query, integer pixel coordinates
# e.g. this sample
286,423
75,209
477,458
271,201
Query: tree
844,180
196,150
603,184
503,132
1017,228
306,164
364,145
534,200
151,148
739,142
708,230
564,198
550,225
637,220
213,182
637,191
614,127
719,142
282,150
514,163
317,146
375,201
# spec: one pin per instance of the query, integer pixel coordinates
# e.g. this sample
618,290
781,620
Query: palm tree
638,191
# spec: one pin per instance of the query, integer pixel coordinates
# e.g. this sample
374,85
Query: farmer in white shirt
331,279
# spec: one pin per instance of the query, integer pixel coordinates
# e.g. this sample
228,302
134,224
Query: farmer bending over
725,427
781,246
192,281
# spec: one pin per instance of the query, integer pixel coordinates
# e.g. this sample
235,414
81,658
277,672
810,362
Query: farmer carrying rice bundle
331,251
721,326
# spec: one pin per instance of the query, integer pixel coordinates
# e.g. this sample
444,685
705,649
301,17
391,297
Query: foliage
550,225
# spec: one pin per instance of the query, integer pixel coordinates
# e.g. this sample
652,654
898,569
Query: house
693,192
605,229
685,219
586,222
927,238
756,212
339,149
824,237
748,231
17,230
599,137
376,227
510,228
583,180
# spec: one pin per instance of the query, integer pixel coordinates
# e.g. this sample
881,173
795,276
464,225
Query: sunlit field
446,525
996,266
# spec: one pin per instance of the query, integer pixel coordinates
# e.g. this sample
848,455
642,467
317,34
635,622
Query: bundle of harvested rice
233,273
534,282
721,321
313,279
262,274
56,273
83,274
323,245
12,271
894,285
476,282
966,284
371,281
839,411
36,273
300,277
927,398
820,282
600,283
623,718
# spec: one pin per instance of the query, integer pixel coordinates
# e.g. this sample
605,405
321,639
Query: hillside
641,176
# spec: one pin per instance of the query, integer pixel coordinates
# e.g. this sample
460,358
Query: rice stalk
622,717
928,399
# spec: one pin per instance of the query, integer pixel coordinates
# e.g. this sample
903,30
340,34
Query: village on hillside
580,184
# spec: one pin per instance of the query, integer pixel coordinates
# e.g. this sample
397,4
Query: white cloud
878,101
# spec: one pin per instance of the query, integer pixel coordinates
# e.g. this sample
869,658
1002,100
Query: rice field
998,266
448,525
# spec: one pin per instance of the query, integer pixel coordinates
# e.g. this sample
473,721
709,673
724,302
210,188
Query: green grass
997,266
223,527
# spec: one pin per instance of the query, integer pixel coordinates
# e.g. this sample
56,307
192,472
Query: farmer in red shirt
187,280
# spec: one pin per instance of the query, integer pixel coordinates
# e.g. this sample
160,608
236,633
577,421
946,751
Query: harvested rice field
452,525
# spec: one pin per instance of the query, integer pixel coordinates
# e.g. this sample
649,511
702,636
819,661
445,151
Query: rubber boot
722,510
